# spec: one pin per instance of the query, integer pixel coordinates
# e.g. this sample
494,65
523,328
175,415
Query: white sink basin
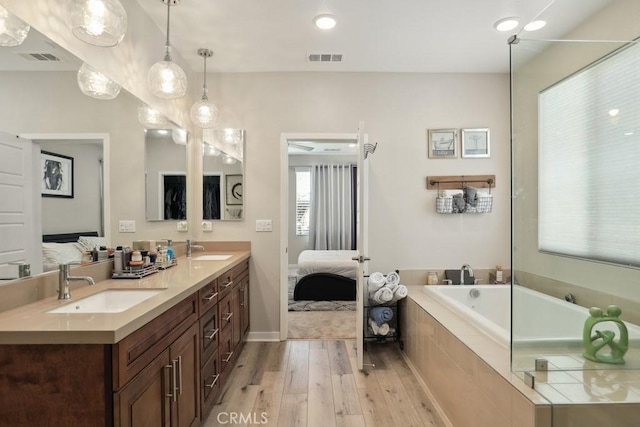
109,301
211,257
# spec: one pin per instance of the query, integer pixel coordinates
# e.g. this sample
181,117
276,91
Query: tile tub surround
469,376
31,324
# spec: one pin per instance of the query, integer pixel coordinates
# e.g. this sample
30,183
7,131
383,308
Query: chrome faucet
191,246
64,277
462,269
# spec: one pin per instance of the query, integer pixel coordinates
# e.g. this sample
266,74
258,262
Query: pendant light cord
204,84
167,55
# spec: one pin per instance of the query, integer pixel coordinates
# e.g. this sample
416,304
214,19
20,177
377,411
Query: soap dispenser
170,252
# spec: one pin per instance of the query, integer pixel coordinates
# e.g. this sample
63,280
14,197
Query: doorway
317,319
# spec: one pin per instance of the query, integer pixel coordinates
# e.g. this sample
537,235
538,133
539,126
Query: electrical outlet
183,226
263,225
207,226
127,226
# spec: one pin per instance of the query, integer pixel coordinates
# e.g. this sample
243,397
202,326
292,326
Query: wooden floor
316,383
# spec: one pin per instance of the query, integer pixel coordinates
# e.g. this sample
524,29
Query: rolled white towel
382,295
393,280
375,281
374,326
383,329
450,193
400,292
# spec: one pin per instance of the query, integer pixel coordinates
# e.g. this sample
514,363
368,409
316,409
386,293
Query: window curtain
333,195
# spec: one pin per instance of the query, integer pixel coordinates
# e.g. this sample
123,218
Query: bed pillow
54,254
89,243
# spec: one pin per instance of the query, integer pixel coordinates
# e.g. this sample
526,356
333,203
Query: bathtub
540,320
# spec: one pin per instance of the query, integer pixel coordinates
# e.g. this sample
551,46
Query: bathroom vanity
161,362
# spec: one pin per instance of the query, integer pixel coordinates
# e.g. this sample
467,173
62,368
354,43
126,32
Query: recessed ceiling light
614,112
535,25
506,24
325,22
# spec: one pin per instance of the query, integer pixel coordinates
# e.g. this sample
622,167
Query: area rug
316,305
323,325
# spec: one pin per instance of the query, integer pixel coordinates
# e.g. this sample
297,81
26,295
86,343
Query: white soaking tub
540,320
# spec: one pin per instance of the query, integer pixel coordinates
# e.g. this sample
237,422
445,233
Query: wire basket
484,204
444,205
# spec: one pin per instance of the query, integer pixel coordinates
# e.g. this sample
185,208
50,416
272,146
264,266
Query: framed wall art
57,175
443,143
234,189
475,143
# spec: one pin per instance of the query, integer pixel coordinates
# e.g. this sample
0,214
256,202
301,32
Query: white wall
82,213
616,22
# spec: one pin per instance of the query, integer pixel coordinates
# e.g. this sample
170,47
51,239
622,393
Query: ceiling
433,36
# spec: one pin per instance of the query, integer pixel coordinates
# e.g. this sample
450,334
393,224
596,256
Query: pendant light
13,30
96,84
166,79
97,22
203,113
151,119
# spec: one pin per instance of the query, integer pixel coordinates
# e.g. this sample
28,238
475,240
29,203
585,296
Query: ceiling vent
325,57
46,57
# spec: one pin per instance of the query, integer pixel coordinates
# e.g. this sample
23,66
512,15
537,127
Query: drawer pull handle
241,303
228,358
229,283
228,317
212,334
172,380
213,383
209,297
179,363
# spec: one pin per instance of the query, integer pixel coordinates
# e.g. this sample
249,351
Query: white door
362,241
19,229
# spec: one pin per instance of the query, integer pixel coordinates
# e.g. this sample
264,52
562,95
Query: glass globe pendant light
13,30
203,113
96,84
166,79
150,118
97,22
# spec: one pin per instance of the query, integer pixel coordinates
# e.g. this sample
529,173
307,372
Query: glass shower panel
576,219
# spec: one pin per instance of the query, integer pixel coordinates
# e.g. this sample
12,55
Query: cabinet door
184,354
236,300
244,307
145,401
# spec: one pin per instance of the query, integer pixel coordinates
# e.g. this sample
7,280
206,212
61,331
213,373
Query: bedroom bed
326,275
63,248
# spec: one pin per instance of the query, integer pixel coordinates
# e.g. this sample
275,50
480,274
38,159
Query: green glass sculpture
595,340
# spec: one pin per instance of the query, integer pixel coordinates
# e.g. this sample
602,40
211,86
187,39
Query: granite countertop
31,324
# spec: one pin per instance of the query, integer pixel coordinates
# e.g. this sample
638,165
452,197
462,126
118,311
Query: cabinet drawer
225,283
226,354
136,351
210,381
208,296
225,315
240,269
209,334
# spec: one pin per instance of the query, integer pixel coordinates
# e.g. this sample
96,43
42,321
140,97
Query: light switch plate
183,226
263,225
207,226
127,226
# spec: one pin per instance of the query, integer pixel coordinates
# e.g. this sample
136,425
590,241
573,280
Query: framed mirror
223,174
165,174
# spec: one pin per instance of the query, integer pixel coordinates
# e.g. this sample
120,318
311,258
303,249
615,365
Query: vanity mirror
165,174
223,174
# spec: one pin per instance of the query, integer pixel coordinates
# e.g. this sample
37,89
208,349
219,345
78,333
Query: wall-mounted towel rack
459,182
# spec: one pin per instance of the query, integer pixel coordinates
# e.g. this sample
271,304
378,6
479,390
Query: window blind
589,162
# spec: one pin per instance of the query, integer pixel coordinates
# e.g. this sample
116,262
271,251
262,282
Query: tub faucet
191,246
462,269
64,277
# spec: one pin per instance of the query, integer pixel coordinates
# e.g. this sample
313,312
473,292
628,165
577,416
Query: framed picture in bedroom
233,189
57,175
475,143
443,143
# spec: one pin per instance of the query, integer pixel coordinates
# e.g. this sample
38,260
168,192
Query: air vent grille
46,57
325,57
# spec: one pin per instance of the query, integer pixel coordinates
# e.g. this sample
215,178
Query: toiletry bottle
170,252
499,274
117,260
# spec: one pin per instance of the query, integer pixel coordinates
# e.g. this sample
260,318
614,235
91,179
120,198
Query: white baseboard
263,336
